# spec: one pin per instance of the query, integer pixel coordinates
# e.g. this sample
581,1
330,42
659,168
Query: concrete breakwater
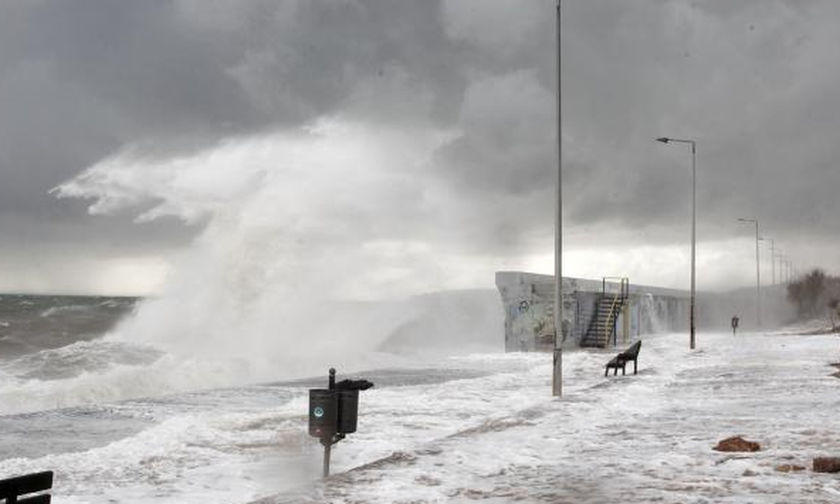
528,301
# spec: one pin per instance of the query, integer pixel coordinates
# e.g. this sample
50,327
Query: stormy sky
110,113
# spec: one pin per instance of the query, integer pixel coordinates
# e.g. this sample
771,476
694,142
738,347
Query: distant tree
833,303
814,293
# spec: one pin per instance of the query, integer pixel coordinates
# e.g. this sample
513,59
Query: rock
749,472
737,444
789,468
827,464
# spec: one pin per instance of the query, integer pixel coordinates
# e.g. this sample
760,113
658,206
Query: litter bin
323,413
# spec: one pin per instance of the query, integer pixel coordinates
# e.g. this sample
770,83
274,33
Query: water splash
299,233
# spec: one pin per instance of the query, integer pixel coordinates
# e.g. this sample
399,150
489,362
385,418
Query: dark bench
620,360
20,486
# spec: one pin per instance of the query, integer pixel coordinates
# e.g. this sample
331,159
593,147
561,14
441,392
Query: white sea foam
501,436
117,381
220,454
647,437
296,229
57,310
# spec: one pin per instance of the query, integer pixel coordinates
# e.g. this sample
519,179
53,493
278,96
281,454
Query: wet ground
643,438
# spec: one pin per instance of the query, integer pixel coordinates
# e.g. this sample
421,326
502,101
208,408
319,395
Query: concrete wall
528,301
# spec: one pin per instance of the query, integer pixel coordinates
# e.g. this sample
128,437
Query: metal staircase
607,310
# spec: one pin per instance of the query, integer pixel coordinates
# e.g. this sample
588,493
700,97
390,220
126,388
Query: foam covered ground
482,427
643,438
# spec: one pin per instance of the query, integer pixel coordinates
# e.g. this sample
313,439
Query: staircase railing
623,286
617,301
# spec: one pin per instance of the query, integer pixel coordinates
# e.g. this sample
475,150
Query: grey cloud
81,80
751,80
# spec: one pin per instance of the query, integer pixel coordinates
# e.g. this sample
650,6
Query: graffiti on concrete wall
531,325
529,305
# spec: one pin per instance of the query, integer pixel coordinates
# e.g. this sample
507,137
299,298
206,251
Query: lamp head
663,139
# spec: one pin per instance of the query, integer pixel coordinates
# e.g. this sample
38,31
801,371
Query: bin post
333,412
327,450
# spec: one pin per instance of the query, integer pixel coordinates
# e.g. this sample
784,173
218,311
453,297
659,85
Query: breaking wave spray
297,234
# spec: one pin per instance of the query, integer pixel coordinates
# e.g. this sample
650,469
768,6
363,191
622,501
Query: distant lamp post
788,269
781,257
757,273
693,144
772,259
782,268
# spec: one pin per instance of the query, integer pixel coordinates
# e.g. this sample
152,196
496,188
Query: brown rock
789,468
737,444
827,464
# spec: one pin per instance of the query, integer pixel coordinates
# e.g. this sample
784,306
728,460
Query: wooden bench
20,486
620,360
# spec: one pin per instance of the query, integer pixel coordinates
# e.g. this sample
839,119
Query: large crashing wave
297,232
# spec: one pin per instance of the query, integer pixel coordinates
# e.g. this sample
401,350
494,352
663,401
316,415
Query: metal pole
328,443
787,271
327,450
783,269
559,337
757,273
773,262
626,320
693,234
757,278
693,228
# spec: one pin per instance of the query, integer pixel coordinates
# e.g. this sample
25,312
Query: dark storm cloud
81,80
751,80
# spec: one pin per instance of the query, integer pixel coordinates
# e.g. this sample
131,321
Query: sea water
450,426
123,421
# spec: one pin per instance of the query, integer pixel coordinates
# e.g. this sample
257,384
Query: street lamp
666,140
772,259
559,337
782,268
788,269
757,273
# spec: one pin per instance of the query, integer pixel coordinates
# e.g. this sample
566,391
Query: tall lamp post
757,273
559,336
693,223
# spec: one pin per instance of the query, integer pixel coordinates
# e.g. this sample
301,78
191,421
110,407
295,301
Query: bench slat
22,485
633,351
38,499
